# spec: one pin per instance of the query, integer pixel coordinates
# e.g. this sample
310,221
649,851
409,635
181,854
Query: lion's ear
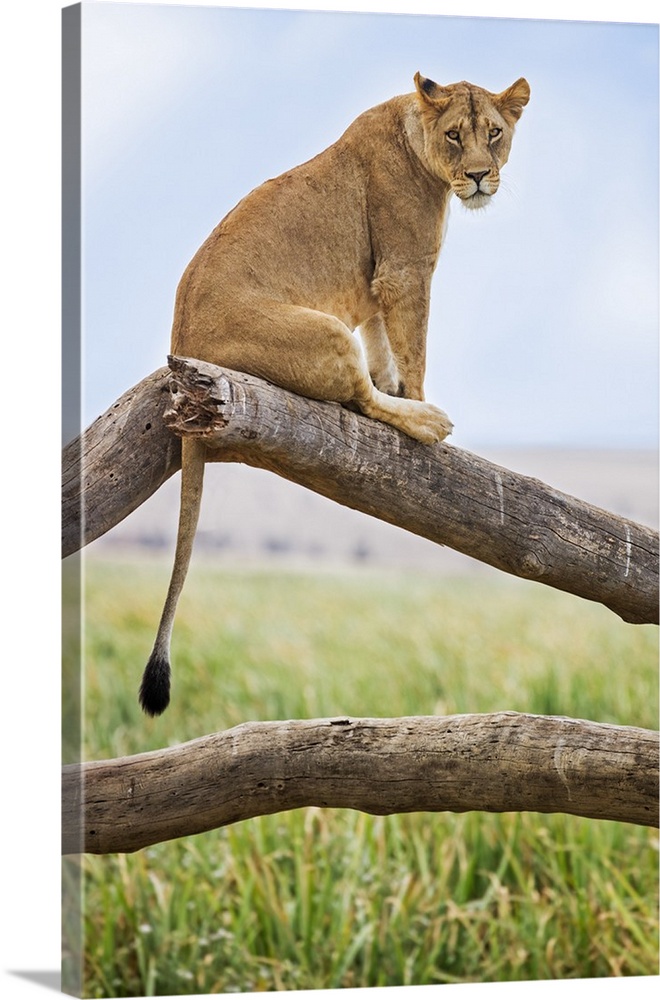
512,101
431,92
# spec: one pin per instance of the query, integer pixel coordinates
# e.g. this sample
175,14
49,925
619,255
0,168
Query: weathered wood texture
118,462
498,762
446,494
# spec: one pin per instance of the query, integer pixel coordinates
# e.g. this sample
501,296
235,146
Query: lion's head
468,133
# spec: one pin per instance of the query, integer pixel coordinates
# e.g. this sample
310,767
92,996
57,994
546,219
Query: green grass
320,898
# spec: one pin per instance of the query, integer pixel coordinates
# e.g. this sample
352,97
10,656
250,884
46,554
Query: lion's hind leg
319,357
314,354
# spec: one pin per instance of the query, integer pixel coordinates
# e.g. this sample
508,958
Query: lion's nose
477,175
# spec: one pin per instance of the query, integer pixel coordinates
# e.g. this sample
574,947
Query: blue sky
544,316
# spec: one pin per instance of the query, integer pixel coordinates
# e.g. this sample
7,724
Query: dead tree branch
118,462
498,762
446,494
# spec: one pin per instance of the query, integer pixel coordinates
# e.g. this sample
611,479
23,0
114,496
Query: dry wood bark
497,762
513,522
118,462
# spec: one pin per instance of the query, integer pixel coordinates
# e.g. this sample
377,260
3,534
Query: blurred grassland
320,898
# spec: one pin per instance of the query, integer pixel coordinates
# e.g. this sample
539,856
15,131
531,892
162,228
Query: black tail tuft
155,686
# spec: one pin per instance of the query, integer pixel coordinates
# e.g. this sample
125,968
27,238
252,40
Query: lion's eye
453,135
494,133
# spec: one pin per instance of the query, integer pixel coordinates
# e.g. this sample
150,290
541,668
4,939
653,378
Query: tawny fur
348,240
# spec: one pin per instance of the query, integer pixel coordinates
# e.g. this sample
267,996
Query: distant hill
249,515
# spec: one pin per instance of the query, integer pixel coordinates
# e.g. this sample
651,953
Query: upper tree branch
513,522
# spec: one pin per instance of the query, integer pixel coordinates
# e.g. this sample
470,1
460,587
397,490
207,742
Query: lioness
349,239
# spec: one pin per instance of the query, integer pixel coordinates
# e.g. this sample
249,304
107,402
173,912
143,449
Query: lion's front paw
430,423
422,421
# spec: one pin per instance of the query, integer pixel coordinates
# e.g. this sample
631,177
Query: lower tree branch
497,762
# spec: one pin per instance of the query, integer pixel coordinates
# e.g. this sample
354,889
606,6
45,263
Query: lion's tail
155,686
